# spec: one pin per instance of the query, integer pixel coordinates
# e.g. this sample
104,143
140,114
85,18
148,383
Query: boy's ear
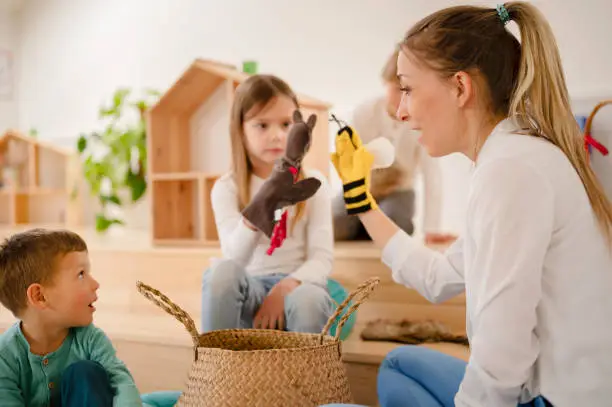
36,295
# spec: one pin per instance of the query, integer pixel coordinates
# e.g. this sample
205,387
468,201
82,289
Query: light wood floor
157,348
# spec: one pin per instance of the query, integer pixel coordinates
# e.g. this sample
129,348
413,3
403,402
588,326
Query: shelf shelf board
42,191
182,176
32,191
195,242
179,242
177,176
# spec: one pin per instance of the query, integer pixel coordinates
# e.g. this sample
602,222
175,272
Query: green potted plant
114,160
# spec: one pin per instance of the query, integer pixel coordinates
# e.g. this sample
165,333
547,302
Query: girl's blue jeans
231,297
416,376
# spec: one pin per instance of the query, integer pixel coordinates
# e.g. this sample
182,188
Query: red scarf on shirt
280,228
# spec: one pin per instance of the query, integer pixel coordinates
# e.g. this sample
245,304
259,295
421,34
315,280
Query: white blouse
537,273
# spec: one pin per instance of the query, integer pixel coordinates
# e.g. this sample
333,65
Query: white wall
75,53
8,44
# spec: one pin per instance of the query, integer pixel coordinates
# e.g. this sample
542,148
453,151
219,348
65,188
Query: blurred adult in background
393,187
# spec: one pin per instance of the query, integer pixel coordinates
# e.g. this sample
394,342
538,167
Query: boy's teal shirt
32,380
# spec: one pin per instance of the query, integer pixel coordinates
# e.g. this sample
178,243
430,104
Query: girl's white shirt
537,274
307,252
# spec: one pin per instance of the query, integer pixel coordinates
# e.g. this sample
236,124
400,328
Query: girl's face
265,132
432,105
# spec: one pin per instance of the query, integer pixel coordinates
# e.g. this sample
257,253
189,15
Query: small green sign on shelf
249,67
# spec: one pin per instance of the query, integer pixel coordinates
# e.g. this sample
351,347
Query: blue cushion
339,294
160,398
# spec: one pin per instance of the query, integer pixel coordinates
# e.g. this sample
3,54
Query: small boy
54,356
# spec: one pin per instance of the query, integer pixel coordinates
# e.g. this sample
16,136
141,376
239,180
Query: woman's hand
271,313
353,162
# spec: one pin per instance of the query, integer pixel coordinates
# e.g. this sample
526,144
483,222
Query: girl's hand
439,238
249,224
281,189
277,192
271,313
286,285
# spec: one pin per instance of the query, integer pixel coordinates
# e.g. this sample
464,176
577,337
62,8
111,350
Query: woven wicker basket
261,367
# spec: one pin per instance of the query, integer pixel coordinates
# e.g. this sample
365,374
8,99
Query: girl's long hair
251,97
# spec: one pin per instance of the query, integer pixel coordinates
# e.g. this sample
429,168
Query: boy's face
70,296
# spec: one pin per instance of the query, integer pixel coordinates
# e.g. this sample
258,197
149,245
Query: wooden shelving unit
36,180
189,148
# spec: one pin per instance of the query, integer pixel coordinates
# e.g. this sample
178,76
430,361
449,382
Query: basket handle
587,128
162,301
361,293
589,122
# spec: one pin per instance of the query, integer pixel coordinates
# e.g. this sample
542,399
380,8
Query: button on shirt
537,273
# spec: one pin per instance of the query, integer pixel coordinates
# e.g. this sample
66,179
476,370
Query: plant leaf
110,152
137,184
119,97
81,143
153,92
103,223
110,198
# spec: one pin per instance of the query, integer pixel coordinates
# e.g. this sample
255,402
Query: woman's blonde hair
524,80
250,97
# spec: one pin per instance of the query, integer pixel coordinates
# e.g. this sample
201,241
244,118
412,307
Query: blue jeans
231,298
416,376
84,383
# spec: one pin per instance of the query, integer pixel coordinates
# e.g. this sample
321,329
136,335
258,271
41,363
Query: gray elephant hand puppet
282,188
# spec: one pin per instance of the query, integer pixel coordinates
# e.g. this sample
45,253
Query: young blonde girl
535,259
249,288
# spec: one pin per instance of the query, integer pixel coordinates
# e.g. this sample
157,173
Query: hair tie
503,14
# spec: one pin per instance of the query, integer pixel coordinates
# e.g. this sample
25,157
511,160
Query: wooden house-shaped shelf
189,148
36,182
